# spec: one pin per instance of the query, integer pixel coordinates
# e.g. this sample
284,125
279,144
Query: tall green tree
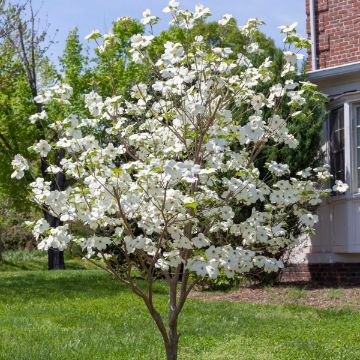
28,69
114,72
17,134
75,68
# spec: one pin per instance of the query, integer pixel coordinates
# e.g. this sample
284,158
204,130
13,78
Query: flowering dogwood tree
162,186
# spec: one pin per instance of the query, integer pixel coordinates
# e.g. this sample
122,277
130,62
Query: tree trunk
172,346
55,256
169,333
55,259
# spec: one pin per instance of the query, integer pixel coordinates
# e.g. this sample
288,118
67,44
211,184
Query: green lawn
86,315
20,260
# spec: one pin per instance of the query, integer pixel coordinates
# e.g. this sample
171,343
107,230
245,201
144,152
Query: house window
337,148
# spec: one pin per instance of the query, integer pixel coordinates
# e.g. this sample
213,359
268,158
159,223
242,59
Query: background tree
16,132
75,68
114,72
23,44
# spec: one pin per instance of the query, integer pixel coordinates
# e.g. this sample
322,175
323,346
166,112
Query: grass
87,315
296,294
20,260
335,294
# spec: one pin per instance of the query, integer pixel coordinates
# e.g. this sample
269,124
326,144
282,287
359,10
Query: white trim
334,71
313,36
338,100
350,179
348,161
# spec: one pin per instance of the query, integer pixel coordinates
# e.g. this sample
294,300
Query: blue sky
64,15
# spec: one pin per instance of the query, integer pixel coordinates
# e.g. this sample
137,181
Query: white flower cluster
60,93
19,165
42,148
148,19
175,183
57,238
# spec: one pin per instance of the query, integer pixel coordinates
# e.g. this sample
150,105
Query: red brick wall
337,24
324,274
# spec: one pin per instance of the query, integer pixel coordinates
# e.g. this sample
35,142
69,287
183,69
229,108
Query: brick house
333,255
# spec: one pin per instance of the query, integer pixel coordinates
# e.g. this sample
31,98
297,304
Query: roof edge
334,71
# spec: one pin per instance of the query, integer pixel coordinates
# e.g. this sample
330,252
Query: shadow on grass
41,264
63,284
9,265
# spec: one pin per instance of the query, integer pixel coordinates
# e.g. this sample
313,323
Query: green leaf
118,171
192,205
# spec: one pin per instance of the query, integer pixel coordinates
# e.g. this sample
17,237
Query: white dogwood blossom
40,227
278,169
172,6
59,93
19,165
225,19
95,33
38,117
288,28
42,148
148,18
57,238
340,186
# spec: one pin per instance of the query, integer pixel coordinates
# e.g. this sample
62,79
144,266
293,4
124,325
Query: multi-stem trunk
172,345
169,331
169,334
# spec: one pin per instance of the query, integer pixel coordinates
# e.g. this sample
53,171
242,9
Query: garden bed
297,294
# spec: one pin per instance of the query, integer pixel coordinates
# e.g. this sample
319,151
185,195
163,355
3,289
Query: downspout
313,36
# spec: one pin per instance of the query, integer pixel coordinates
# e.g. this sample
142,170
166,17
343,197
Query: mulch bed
298,294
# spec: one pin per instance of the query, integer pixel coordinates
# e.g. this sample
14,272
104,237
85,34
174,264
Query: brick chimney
337,32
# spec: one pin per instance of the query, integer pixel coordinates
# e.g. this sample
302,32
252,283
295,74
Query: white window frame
350,103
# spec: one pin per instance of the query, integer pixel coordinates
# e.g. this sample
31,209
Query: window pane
341,117
358,116
341,139
339,166
337,155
